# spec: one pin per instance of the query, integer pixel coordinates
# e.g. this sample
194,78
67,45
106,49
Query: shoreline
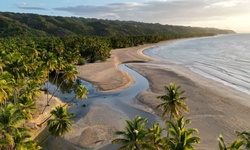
214,108
107,77
41,103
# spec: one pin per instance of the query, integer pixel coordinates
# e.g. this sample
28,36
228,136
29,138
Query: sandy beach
214,108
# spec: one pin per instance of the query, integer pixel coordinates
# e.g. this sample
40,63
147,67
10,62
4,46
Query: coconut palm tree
18,87
236,145
181,138
31,90
81,92
5,86
10,120
50,65
23,142
31,50
245,136
155,137
69,73
135,135
6,141
26,107
2,65
61,123
69,76
40,75
61,63
173,101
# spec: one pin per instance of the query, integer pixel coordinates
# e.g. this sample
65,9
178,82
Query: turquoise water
223,58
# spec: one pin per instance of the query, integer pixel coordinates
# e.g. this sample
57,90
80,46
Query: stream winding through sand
123,103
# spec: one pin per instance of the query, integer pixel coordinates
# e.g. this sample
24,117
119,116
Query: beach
214,108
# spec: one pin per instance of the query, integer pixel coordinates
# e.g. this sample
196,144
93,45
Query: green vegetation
139,136
36,50
27,64
173,101
135,136
16,24
181,138
13,136
61,123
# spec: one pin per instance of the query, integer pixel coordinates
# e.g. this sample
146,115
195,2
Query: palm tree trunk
136,147
53,94
51,115
48,89
55,79
63,106
170,118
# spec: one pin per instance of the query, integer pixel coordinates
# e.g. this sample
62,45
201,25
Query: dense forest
34,47
13,24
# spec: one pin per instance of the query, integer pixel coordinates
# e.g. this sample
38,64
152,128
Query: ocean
223,58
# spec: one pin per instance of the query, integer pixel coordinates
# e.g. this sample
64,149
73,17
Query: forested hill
16,24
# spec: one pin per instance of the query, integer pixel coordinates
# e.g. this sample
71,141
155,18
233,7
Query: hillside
13,24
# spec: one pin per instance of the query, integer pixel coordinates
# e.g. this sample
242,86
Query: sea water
223,58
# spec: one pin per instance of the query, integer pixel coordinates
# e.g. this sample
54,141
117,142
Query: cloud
113,8
165,11
29,6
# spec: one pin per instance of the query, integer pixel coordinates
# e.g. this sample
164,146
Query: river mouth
105,109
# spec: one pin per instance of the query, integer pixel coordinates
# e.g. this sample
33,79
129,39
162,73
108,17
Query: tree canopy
12,24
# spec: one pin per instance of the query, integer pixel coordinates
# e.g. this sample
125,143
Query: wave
222,58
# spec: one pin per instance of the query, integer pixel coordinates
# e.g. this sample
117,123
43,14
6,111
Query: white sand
214,108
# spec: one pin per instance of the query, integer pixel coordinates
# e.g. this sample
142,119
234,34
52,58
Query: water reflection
123,103
123,100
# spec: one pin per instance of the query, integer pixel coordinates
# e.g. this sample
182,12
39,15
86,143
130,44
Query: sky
223,14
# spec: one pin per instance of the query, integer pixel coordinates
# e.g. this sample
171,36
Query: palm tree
32,89
236,145
5,86
40,74
18,86
245,136
61,123
6,141
69,73
134,138
174,102
31,50
81,92
50,65
69,76
181,138
59,66
23,142
10,120
26,107
155,136
2,65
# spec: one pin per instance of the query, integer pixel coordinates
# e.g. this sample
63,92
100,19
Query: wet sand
214,108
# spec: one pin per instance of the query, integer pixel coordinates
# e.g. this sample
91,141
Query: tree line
78,49
32,55
19,24
27,63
